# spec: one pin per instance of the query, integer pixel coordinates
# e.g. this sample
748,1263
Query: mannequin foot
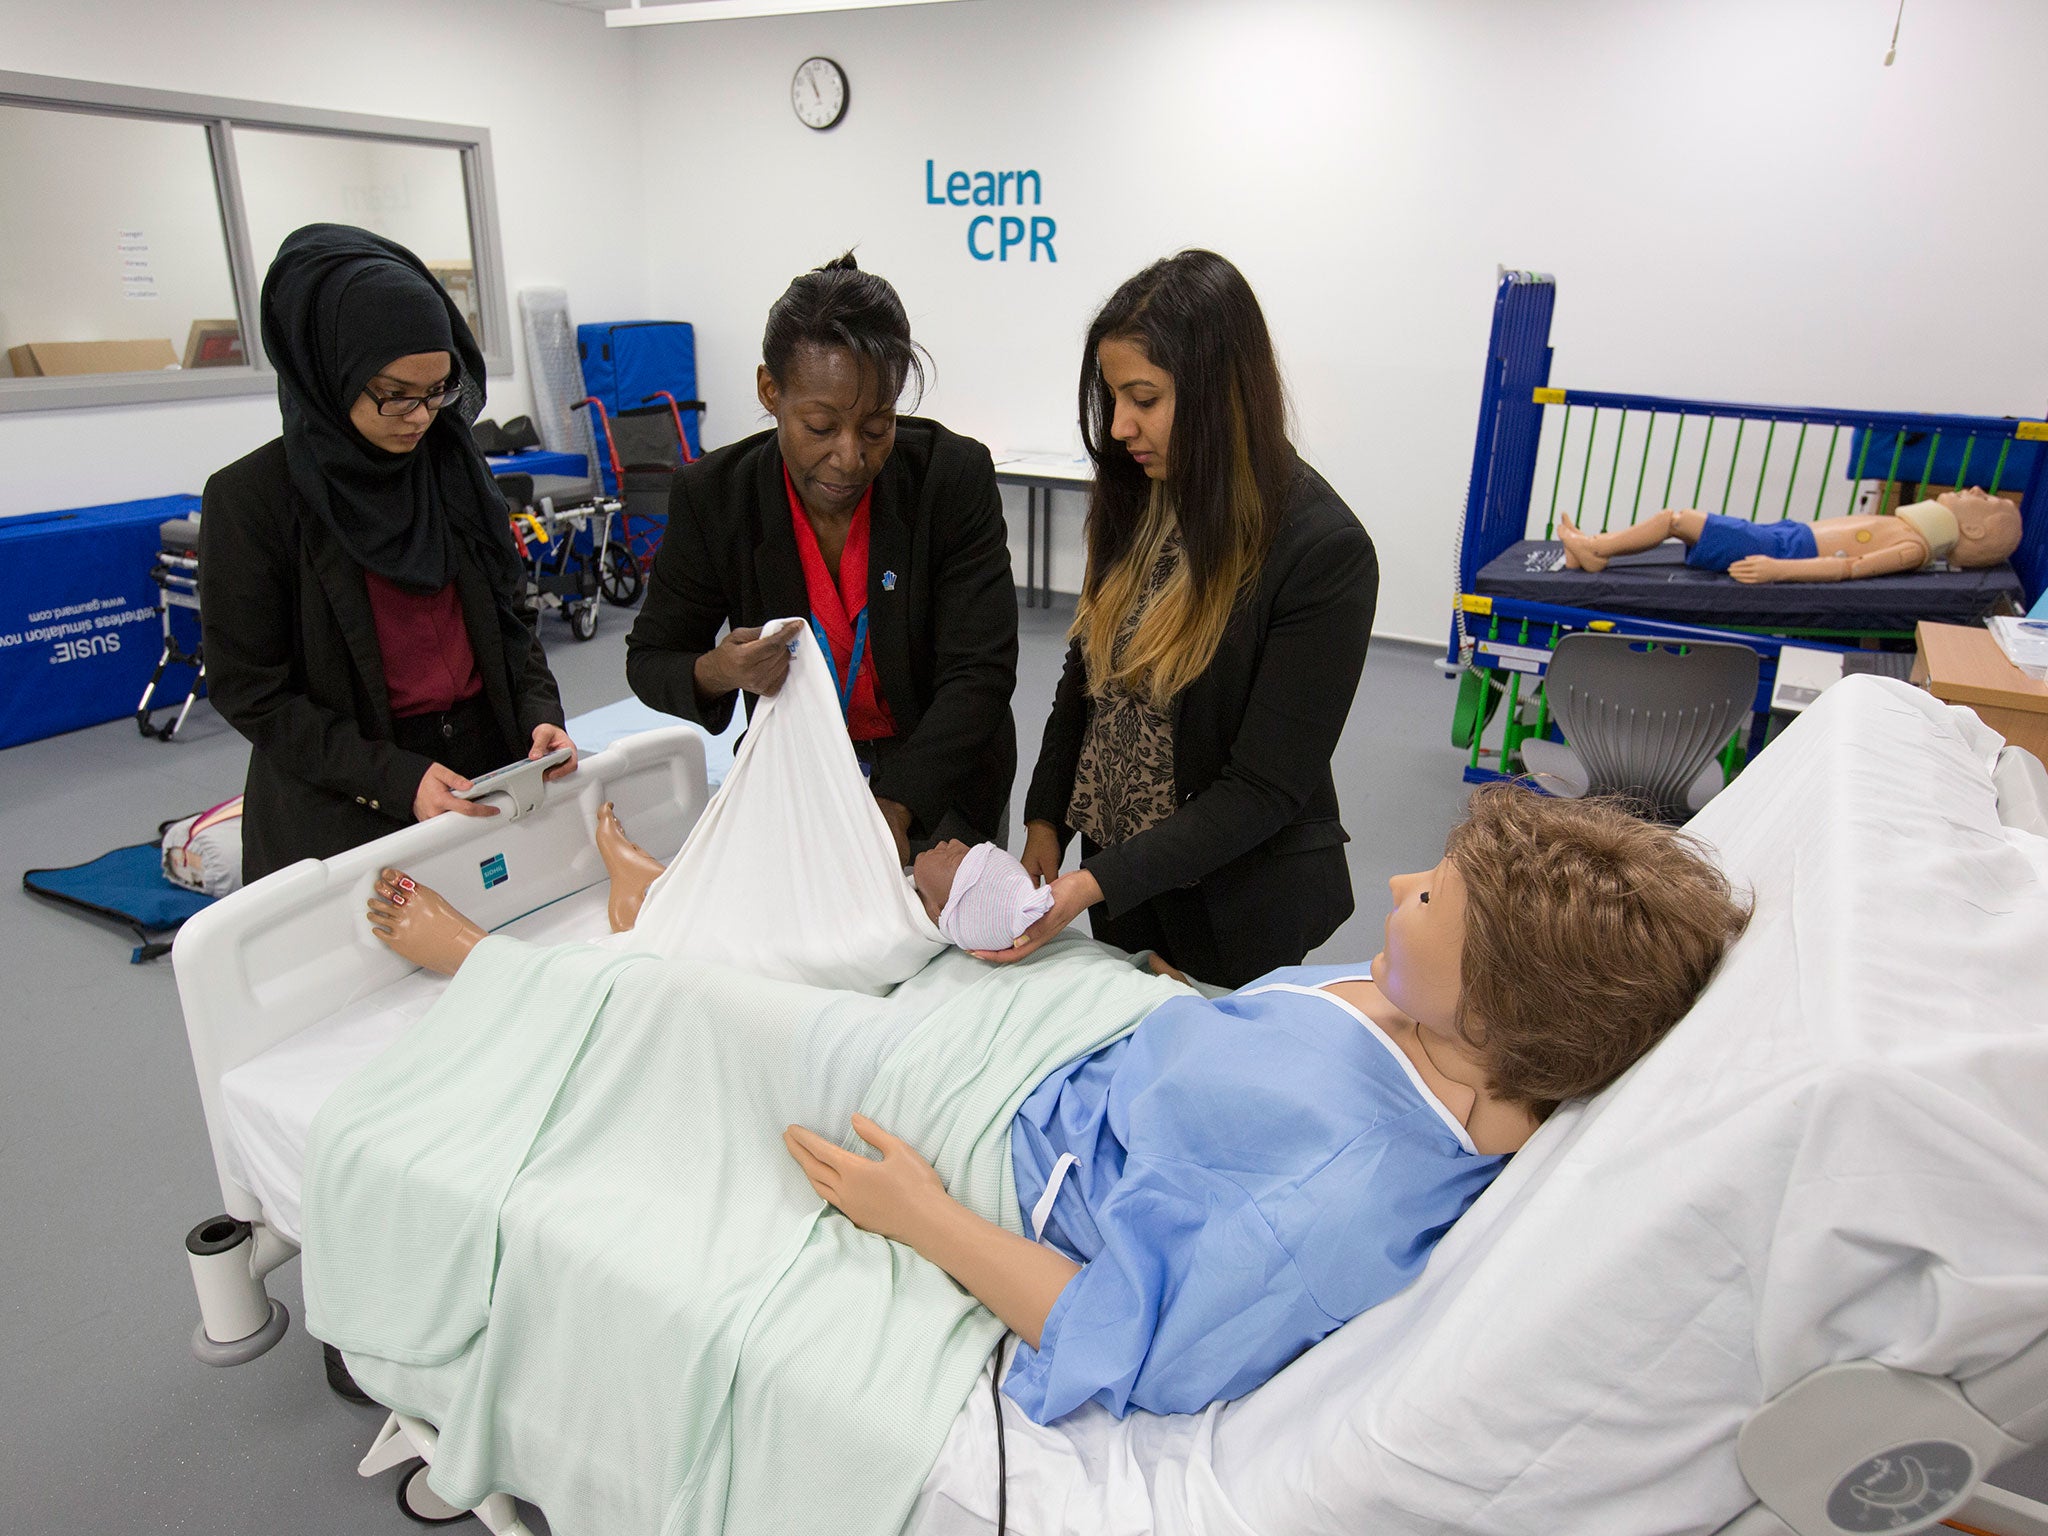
417,922
1578,548
632,868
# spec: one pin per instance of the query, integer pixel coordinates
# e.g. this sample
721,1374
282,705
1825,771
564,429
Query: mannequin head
1987,528
932,872
1584,935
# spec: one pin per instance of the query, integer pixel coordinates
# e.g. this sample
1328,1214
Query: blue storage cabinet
79,632
625,361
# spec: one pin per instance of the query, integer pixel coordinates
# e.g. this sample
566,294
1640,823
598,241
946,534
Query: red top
837,610
429,666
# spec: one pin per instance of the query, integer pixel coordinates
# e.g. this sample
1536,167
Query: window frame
220,116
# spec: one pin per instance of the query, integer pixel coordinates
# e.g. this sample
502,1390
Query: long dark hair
838,305
1229,469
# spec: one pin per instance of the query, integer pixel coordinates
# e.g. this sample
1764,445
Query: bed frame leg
405,1438
238,1320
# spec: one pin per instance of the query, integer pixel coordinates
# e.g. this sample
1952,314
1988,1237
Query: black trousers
466,738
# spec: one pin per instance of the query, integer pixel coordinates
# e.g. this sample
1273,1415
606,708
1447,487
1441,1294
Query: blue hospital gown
1250,1174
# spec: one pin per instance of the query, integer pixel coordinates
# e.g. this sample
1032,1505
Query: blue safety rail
1510,424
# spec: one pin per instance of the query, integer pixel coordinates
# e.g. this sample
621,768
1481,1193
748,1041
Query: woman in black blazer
1221,631
886,533
358,580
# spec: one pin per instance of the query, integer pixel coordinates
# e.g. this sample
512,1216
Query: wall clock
818,93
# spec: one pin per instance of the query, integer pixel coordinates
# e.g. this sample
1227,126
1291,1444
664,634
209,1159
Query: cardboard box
47,359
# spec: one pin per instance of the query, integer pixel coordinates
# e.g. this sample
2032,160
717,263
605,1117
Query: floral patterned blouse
1123,783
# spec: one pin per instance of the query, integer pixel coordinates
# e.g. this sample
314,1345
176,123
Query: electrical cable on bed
995,1392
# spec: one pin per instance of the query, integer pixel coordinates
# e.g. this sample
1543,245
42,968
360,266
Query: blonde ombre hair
1229,470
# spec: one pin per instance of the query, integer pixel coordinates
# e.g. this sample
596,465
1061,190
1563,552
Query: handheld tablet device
499,779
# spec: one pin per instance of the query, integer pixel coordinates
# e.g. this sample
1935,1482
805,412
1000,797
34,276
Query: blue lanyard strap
860,644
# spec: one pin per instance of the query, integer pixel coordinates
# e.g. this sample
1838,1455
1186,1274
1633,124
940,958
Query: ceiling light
638,15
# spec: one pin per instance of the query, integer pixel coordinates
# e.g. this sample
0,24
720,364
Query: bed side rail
1861,1447
292,949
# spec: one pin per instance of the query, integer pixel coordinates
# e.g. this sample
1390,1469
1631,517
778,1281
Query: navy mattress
1658,584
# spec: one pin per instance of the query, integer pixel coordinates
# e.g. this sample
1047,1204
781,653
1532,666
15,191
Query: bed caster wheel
583,620
419,1503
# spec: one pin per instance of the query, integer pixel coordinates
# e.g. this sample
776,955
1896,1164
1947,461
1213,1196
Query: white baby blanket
791,872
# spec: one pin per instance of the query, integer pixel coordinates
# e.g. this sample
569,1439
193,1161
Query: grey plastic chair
1644,718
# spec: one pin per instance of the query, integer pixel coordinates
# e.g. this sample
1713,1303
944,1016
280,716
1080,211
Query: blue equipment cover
625,361
541,461
1923,460
127,885
1658,584
79,633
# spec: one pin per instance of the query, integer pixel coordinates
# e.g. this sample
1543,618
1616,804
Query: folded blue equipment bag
127,885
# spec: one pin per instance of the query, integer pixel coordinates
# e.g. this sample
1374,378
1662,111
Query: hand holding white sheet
791,872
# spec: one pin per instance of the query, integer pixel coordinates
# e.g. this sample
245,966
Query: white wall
1738,201
541,77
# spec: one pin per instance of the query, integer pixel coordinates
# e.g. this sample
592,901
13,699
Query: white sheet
791,871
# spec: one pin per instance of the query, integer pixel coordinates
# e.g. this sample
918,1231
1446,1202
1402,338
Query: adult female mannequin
363,627
1222,628
887,531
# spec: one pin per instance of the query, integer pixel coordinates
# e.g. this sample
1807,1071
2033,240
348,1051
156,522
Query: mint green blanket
557,1221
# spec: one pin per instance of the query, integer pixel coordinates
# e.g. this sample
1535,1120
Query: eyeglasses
404,405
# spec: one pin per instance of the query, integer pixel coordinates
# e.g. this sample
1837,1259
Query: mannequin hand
1160,966
1041,859
897,814
546,738
1071,896
749,659
890,1198
1755,570
436,794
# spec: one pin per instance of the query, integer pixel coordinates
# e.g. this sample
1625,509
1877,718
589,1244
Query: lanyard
860,644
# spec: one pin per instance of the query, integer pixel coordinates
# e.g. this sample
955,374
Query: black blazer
292,662
1256,830
944,635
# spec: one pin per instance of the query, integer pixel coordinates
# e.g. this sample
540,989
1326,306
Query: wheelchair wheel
619,579
1479,695
582,618
420,1504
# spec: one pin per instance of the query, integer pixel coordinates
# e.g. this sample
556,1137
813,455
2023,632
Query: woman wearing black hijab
361,591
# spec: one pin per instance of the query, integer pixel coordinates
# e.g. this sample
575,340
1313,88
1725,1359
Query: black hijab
339,304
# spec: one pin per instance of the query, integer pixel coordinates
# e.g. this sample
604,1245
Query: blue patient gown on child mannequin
1248,1174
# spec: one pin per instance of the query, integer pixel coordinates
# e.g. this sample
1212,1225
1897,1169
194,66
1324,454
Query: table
79,631
1041,474
1963,665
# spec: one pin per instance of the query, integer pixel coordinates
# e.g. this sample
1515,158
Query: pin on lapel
888,581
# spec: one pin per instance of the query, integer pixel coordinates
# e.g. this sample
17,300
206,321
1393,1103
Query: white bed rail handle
1861,1447
238,1320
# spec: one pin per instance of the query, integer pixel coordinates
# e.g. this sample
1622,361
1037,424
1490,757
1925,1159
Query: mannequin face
1421,968
1143,417
1987,527
416,375
833,426
932,873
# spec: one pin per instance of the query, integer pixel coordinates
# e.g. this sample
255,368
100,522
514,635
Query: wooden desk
1963,665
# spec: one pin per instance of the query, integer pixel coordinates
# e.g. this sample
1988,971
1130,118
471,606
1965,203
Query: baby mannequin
1969,529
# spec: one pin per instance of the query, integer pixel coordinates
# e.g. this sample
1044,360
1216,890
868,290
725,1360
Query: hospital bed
1789,1275
1606,459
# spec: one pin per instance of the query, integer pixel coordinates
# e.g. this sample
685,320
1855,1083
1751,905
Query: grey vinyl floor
107,1424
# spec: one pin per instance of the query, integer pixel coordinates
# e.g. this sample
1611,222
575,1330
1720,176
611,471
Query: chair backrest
1645,716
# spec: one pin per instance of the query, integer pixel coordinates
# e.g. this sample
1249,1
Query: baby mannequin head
1558,941
979,898
1987,528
